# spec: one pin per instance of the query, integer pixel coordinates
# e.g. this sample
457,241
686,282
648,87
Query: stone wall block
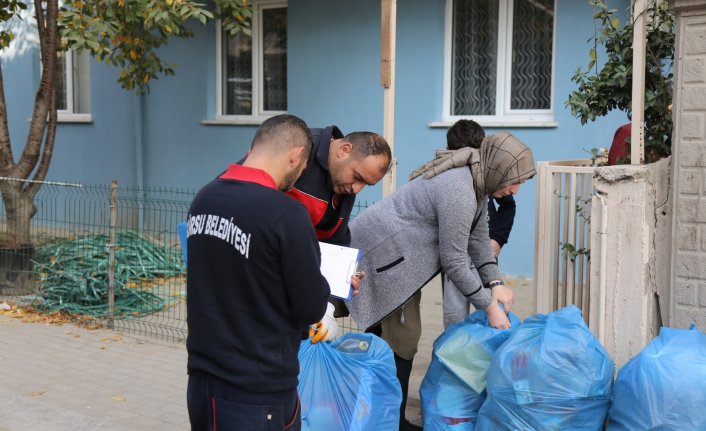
694,156
695,70
690,181
695,39
693,125
688,315
688,234
690,265
687,211
687,291
694,98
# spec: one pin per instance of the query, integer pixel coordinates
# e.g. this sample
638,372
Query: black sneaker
406,425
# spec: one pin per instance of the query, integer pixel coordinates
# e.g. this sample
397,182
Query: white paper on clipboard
338,264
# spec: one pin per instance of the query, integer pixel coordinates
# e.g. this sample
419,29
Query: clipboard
338,265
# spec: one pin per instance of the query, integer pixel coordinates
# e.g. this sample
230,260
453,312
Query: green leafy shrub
602,90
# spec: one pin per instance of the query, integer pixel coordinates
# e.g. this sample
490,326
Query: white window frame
258,114
69,115
504,116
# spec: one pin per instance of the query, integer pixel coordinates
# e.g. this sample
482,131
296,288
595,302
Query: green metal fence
103,252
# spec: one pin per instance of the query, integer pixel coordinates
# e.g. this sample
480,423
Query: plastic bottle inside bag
353,345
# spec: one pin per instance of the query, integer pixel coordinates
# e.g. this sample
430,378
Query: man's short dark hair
368,144
283,132
465,133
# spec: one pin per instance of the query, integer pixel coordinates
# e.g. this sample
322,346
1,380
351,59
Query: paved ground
61,377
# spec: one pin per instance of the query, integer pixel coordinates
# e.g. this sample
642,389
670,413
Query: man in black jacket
253,282
339,167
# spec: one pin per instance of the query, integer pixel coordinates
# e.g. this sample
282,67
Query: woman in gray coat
435,222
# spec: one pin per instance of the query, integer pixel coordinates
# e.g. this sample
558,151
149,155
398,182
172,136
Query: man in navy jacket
339,167
253,282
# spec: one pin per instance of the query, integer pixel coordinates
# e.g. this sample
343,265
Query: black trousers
215,405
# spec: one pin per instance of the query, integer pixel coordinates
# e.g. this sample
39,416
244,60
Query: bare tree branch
41,172
43,102
6,160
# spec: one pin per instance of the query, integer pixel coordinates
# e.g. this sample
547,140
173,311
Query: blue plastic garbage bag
349,385
453,388
664,386
551,374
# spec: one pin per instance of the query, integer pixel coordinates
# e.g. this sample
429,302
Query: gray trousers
456,306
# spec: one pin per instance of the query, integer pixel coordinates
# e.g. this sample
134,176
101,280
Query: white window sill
500,124
74,118
244,120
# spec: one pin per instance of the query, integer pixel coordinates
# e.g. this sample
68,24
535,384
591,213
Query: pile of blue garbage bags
546,373
550,373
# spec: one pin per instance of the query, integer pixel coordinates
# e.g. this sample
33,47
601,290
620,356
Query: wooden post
387,80
637,138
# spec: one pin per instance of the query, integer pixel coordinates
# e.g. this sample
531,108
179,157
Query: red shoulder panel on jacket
316,207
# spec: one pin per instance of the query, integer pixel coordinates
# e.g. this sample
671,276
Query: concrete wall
689,152
635,237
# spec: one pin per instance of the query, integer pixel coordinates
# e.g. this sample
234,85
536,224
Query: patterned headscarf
502,160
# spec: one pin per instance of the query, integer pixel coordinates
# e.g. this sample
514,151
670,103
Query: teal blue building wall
160,139
419,90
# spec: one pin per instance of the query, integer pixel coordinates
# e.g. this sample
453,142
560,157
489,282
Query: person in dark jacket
253,282
468,133
339,167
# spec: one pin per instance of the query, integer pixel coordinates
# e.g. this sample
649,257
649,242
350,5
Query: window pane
532,54
82,82
475,52
61,81
274,35
237,74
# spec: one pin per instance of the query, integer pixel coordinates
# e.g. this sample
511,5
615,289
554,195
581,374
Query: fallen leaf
36,393
30,315
116,398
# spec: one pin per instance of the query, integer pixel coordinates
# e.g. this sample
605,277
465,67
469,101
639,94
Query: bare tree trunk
16,251
19,210
17,195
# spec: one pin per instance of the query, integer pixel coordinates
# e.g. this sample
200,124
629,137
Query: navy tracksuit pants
215,405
